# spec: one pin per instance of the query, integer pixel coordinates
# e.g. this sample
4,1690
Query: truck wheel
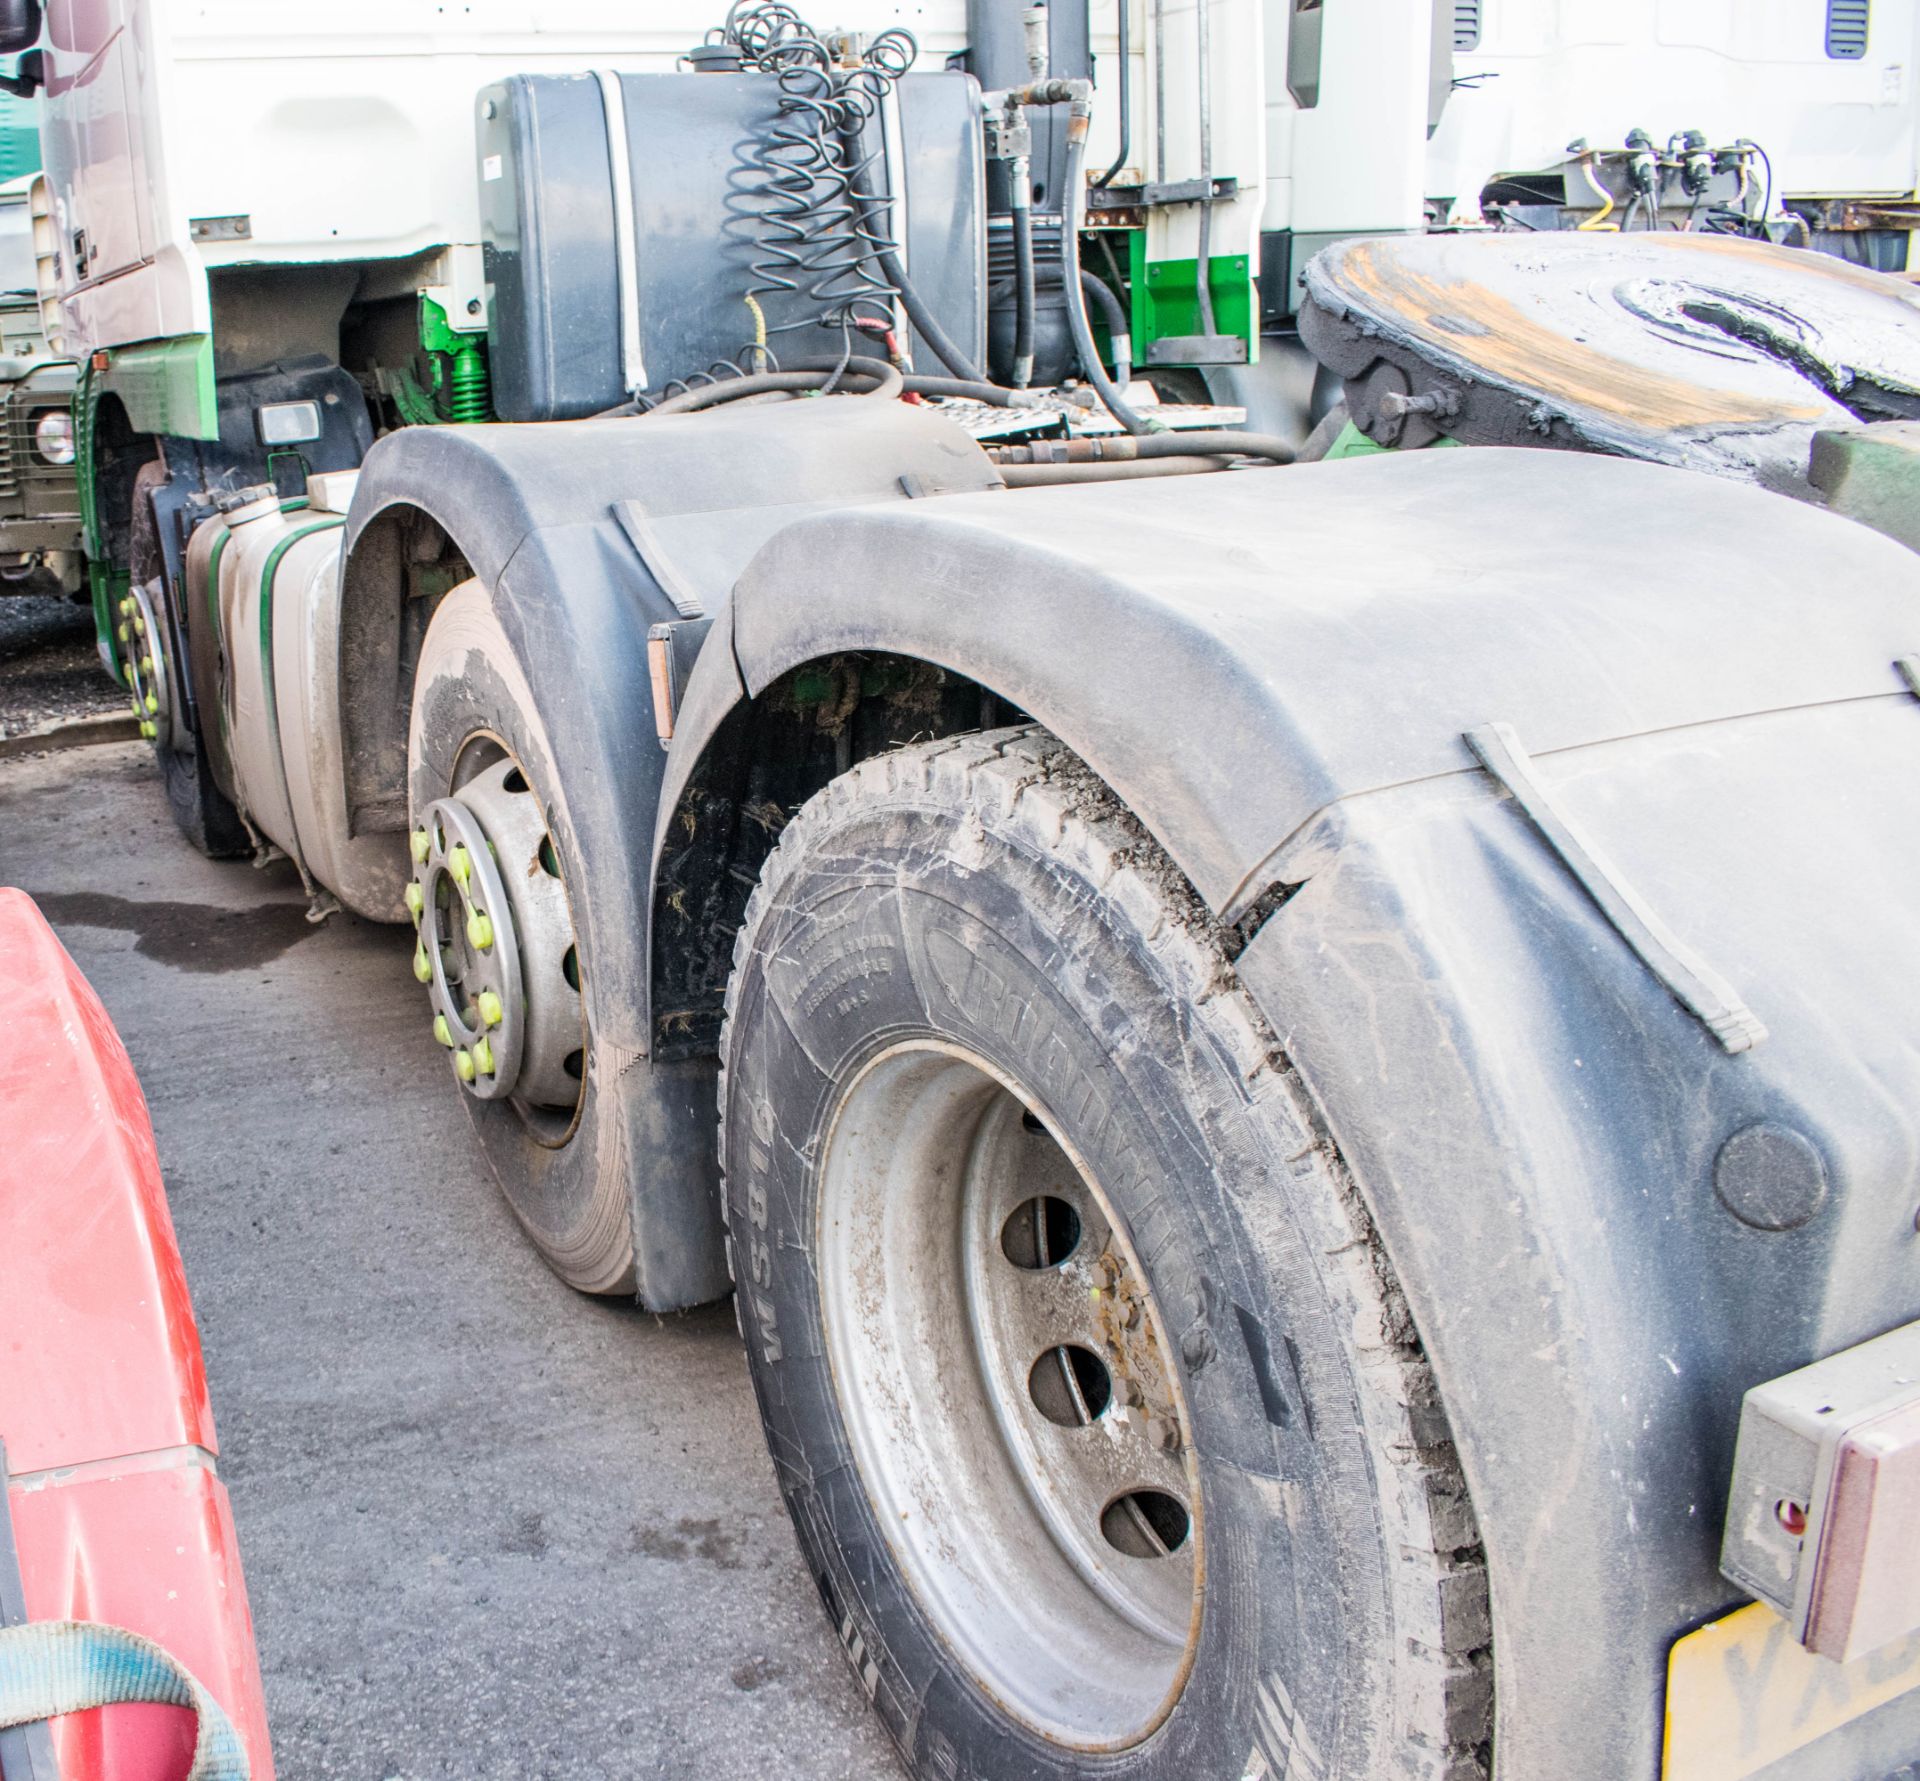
512,1000
155,682
1104,1426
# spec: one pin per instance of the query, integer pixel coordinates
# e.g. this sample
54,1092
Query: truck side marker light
1694,984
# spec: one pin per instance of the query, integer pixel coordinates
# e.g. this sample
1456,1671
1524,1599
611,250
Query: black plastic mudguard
588,534
1279,672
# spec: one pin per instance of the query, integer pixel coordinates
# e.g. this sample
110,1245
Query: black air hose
1115,403
875,377
1125,60
1213,442
1023,291
1118,326
1039,476
963,390
919,314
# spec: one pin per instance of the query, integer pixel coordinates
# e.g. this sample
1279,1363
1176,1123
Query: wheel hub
495,943
1010,1397
143,665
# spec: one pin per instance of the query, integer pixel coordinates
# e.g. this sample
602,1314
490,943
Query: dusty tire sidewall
571,1197
1066,998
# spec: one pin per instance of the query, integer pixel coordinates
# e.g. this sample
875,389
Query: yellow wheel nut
415,899
422,965
124,633
140,624
460,864
463,1065
146,664
483,1057
153,703
441,1031
126,607
420,843
490,1008
480,930
149,731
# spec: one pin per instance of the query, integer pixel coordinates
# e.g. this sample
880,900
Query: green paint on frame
1166,298
166,386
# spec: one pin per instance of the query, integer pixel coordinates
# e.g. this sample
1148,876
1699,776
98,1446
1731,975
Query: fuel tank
273,575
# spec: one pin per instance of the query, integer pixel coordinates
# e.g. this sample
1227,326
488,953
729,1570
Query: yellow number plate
1741,1694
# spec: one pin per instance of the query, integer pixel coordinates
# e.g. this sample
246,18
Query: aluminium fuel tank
275,570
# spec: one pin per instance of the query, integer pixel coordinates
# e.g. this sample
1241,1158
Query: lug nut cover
415,899
422,965
460,864
480,930
491,1009
420,842
463,1065
442,1031
483,1056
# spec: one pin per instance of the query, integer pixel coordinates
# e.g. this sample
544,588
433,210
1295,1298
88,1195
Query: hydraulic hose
1126,97
924,322
1037,476
1222,441
1113,311
963,390
1111,398
1213,442
1023,281
875,377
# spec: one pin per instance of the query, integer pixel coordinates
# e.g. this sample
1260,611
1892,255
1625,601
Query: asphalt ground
49,671
491,1528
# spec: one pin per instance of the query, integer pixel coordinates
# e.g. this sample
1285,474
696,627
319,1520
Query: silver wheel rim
1010,1396
496,945
144,665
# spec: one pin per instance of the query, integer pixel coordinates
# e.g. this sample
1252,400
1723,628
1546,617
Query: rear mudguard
587,535
1277,671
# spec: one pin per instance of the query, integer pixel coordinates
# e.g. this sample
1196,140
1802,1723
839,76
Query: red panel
153,1551
103,1397
99,1354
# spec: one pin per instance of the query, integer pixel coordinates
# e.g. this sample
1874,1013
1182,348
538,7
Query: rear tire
567,1174
204,813
967,976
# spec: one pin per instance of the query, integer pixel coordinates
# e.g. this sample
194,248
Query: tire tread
1034,790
